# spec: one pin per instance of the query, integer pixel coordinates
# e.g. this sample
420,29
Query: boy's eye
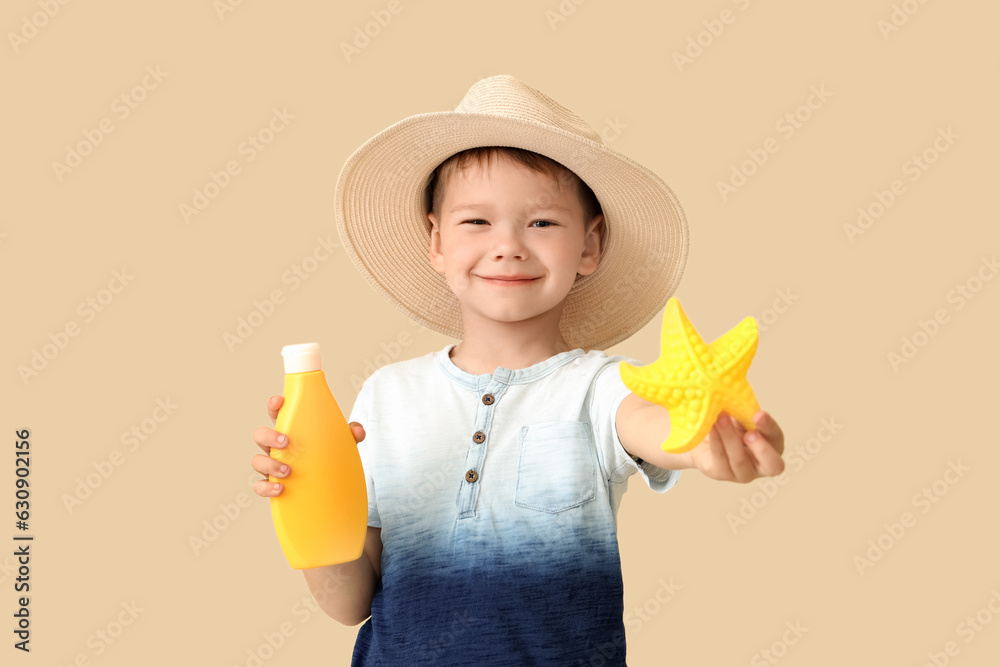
479,222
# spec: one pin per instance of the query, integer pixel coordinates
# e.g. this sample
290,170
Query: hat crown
506,96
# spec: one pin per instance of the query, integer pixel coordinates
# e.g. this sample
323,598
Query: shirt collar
501,374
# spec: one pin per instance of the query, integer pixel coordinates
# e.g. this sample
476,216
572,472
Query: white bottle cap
301,358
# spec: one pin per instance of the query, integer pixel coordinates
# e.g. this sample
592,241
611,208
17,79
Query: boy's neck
479,356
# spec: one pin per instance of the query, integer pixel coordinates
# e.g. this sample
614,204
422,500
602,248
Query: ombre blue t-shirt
497,496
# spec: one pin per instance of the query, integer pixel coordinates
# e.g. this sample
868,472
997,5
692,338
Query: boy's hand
266,438
731,453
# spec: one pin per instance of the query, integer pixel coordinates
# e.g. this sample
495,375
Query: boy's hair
536,162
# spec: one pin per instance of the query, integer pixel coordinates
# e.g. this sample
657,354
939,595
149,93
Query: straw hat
382,216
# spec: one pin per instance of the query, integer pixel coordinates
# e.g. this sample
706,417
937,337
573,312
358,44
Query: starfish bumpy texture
695,381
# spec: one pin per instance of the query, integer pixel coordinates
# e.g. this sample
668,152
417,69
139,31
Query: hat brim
381,218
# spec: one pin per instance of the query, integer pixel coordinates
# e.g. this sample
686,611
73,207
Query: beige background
792,563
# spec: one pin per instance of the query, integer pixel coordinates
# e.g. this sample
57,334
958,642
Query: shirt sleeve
364,414
608,393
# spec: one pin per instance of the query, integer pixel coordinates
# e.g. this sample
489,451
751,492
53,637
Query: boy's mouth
508,280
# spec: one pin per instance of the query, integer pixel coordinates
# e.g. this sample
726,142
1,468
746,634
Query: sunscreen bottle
321,515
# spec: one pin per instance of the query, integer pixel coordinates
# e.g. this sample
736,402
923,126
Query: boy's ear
592,247
434,251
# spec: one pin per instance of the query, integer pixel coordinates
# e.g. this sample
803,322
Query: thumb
358,431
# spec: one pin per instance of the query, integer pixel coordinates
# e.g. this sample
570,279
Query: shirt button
479,437
471,476
488,399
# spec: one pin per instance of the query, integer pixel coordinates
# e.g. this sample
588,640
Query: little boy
496,466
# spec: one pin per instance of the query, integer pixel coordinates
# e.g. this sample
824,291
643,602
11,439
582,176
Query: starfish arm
690,422
742,404
652,382
734,351
697,354
733,354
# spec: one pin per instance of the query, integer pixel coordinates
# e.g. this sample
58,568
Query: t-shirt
497,496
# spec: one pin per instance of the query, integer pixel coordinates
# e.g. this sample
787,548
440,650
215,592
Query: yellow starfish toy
695,381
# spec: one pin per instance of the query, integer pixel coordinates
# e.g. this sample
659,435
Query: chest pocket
557,467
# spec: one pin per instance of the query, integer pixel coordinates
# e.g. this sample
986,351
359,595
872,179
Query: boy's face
511,241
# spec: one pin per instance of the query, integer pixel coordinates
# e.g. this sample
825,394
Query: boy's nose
508,242
511,252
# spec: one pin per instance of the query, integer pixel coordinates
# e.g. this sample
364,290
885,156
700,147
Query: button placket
478,443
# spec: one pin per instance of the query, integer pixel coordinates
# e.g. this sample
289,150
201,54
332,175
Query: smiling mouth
507,280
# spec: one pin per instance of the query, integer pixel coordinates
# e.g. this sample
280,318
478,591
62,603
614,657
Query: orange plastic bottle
321,516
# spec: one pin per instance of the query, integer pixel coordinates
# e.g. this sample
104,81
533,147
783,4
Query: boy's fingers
769,461
716,463
358,430
267,489
268,439
737,426
740,459
273,405
265,465
770,430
